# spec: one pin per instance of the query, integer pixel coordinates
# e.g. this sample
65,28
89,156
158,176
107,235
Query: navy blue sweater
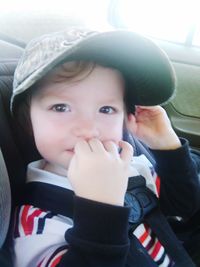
99,236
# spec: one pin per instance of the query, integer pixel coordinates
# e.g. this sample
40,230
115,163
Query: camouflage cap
148,73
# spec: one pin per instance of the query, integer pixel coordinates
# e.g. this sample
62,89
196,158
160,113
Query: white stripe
44,262
139,231
165,262
154,176
57,256
146,241
31,210
152,248
57,226
49,255
160,253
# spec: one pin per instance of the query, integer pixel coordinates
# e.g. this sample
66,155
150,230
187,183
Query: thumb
132,124
126,152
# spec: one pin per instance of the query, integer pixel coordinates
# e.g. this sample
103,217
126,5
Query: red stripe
158,184
28,221
143,236
23,217
156,250
55,261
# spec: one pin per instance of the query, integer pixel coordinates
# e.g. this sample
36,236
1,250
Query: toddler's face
63,113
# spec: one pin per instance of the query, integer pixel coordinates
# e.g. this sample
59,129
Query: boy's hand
98,172
152,126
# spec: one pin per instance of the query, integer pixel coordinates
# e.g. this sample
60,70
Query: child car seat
5,200
16,147
8,152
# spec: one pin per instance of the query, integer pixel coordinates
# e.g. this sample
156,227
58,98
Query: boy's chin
58,169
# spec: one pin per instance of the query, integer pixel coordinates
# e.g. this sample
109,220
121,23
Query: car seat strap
145,209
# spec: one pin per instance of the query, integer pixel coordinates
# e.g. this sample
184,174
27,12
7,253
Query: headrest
5,200
8,50
15,144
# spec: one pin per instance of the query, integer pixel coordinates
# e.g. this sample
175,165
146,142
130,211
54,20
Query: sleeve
98,237
179,182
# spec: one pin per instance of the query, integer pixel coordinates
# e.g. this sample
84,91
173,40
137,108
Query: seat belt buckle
140,199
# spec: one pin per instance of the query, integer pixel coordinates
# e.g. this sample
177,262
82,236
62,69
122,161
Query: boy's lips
70,150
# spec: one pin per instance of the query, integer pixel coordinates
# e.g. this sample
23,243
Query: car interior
17,150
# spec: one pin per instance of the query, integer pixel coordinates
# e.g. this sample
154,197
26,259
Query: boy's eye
107,110
61,108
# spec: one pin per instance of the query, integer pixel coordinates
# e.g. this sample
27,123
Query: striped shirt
44,231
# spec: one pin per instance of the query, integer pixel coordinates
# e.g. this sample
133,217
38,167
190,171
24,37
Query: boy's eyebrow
53,95
111,100
44,95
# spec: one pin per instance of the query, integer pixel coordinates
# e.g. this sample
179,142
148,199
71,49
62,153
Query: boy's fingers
127,151
82,147
96,145
111,147
147,107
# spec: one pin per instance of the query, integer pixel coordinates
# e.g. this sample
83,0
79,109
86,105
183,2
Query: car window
170,20
25,20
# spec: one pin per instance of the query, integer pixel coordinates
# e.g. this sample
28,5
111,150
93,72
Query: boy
79,88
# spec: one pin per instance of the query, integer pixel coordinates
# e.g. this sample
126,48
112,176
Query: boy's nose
86,129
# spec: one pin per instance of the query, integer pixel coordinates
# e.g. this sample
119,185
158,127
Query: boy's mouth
71,150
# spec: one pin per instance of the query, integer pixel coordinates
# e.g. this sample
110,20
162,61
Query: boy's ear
130,123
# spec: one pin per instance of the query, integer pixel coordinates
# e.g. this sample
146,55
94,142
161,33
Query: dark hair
21,111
